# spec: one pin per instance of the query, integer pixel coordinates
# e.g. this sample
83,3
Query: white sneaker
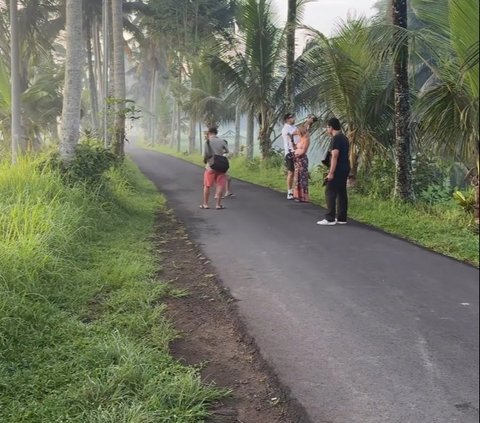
289,196
340,222
326,222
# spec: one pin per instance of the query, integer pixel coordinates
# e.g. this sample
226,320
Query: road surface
362,327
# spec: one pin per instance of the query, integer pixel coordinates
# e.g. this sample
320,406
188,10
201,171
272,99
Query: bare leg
206,194
218,195
227,190
220,184
290,180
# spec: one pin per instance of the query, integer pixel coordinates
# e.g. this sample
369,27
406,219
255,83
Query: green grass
83,333
442,228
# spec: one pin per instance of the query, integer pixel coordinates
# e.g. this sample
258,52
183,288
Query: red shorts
211,177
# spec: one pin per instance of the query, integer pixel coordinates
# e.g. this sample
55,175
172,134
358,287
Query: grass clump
83,335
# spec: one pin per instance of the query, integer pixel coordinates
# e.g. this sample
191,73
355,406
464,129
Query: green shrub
89,165
465,199
276,159
377,180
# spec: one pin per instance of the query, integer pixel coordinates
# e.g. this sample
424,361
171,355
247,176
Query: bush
89,165
431,179
377,180
466,200
275,159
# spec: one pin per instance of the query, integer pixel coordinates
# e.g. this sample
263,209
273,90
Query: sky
324,15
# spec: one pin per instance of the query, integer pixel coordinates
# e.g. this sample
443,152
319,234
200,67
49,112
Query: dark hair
313,117
288,116
334,123
213,130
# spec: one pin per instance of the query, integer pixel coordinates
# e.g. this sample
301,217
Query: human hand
330,177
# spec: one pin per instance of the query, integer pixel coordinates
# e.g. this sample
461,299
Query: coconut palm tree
38,26
15,80
289,79
118,76
294,17
249,63
73,81
447,111
203,99
338,77
403,156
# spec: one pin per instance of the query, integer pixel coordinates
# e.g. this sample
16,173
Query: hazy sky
325,14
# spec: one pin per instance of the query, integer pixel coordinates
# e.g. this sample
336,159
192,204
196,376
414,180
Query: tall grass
83,337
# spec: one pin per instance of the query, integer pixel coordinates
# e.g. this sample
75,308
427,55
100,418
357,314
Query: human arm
333,164
206,152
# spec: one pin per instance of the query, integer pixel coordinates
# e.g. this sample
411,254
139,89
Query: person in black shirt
336,181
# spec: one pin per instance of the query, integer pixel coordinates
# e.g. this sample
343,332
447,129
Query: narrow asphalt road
363,327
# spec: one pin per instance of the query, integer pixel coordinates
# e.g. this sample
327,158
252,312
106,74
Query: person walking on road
228,181
214,146
288,147
336,180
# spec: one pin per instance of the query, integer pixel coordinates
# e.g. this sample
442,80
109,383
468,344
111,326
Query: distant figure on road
300,180
228,183
214,146
288,146
228,190
336,181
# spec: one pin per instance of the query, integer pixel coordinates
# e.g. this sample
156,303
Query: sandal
220,207
203,206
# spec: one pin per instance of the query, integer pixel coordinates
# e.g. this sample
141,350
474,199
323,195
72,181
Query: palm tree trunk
73,81
15,81
476,183
106,75
236,144
179,132
191,135
151,106
92,81
477,205
353,153
119,76
172,125
98,60
289,78
403,156
250,131
157,122
265,134
109,77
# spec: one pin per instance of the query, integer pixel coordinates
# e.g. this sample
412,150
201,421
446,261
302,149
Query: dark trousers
336,195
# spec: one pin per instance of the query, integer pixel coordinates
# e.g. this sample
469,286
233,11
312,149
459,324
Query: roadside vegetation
83,336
